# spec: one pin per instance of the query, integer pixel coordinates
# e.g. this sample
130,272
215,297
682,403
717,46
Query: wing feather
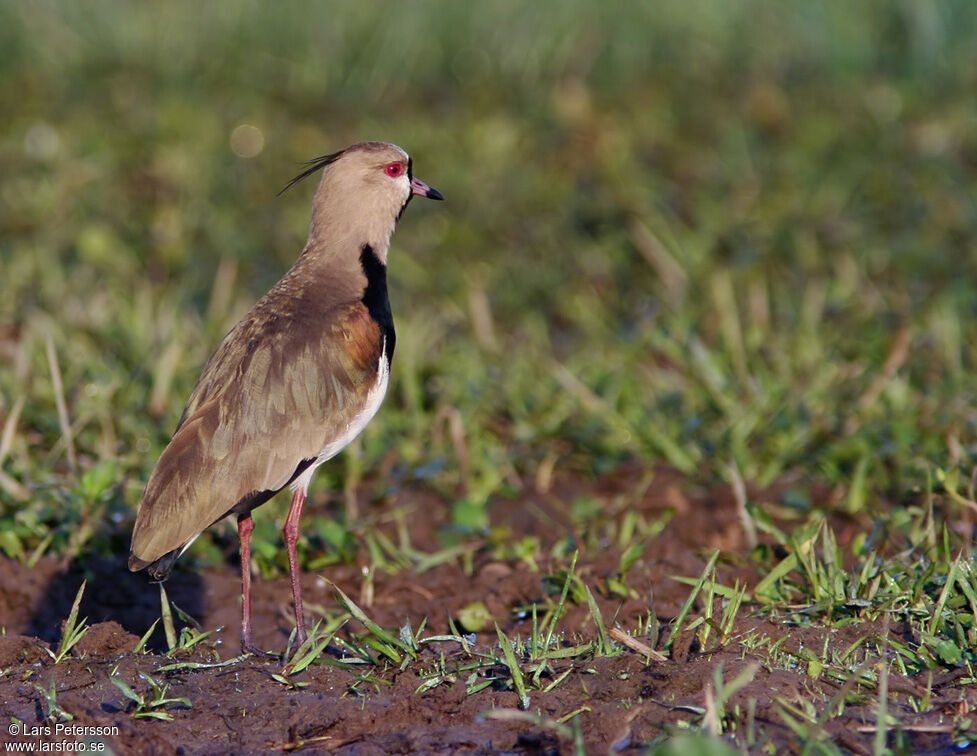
273,395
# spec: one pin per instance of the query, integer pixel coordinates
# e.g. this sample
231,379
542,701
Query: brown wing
278,389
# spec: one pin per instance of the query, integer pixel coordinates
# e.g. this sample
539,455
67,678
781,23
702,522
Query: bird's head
363,192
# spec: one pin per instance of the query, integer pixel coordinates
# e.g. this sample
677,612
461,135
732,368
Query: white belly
373,401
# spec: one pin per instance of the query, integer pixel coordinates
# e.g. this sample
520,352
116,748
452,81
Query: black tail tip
158,570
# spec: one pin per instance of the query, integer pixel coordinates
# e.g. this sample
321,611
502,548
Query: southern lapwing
294,382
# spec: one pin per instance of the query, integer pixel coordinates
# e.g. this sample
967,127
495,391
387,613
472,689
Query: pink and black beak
421,189
418,187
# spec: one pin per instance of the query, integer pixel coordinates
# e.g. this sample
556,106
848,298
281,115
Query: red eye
394,169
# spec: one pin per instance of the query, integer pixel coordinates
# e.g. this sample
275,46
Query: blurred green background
736,238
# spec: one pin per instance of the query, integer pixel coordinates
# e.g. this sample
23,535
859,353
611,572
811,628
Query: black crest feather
316,164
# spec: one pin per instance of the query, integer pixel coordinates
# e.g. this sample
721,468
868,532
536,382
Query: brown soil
624,702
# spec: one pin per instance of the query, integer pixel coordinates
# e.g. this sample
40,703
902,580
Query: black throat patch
375,298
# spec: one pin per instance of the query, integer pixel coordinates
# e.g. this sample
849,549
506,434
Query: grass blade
509,657
687,606
603,643
167,613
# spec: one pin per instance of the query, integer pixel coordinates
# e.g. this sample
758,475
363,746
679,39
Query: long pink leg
291,532
244,527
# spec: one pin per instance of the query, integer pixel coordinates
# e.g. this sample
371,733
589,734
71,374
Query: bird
294,382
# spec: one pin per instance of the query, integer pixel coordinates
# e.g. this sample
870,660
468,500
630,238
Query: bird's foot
248,647
295,642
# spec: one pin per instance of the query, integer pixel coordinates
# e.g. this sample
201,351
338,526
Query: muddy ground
623,702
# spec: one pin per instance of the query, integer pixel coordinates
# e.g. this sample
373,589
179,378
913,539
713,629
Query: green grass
737,239
153,703
73,630
771,273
